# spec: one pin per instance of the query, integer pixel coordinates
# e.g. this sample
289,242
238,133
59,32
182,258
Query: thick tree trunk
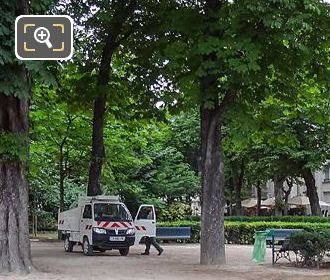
15,255
14,230
98,152
213,183
278,185
312,192
212,226
115,36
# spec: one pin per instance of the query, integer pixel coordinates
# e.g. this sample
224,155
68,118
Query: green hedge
243,232
310,219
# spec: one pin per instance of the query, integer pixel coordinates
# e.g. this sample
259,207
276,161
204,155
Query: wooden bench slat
173,232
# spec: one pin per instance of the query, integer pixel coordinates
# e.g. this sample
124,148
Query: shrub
310,247
176,211
46,221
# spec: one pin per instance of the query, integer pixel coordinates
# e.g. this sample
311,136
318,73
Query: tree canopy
163,102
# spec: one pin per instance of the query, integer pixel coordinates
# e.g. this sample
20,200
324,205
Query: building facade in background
322,181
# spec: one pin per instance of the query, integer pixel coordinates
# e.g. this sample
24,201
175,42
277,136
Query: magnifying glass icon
41,35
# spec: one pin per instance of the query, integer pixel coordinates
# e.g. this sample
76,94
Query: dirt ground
177,262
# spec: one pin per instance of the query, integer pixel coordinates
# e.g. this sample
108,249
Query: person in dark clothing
151,240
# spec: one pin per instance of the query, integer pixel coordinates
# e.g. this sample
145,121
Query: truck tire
87,248
124,251
68,245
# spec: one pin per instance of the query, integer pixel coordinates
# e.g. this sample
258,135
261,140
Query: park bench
173,233
278,238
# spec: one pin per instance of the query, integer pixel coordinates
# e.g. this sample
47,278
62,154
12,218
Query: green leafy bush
176,211
46,221
310,247
310,219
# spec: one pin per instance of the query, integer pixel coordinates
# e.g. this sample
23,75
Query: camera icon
43,37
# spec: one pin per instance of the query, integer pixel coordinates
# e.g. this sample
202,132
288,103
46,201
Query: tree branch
227,101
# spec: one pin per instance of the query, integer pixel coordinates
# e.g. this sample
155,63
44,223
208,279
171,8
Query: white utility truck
104,223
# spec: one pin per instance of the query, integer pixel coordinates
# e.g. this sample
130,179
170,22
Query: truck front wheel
124,251
68,245
87,248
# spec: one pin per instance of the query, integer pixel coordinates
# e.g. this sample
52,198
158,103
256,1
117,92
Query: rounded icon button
41,35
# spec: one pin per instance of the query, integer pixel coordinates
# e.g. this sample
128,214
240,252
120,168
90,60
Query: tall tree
214,51
15,91
115,32
295,133
108,27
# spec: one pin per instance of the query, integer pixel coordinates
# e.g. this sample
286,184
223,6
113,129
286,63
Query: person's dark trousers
152,241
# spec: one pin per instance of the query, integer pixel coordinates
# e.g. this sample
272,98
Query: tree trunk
312,192
286,206
229,202
286,193
14,230
238,189
238,178
123,11
98,153
61,185
213,183
32,211
258,199
278,185
62,176
15,254
212,223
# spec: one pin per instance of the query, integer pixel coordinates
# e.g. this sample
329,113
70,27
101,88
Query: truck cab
103,223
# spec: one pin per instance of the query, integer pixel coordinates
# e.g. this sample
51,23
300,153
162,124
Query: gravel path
179,262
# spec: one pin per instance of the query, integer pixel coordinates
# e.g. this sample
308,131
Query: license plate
117,238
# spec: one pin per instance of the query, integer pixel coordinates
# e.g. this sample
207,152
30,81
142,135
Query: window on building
327,173
326,197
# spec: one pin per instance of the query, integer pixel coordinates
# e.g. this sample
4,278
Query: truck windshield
111,212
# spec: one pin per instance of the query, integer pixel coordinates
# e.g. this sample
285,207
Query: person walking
151,240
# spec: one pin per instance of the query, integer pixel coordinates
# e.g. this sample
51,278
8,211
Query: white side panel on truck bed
69,220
